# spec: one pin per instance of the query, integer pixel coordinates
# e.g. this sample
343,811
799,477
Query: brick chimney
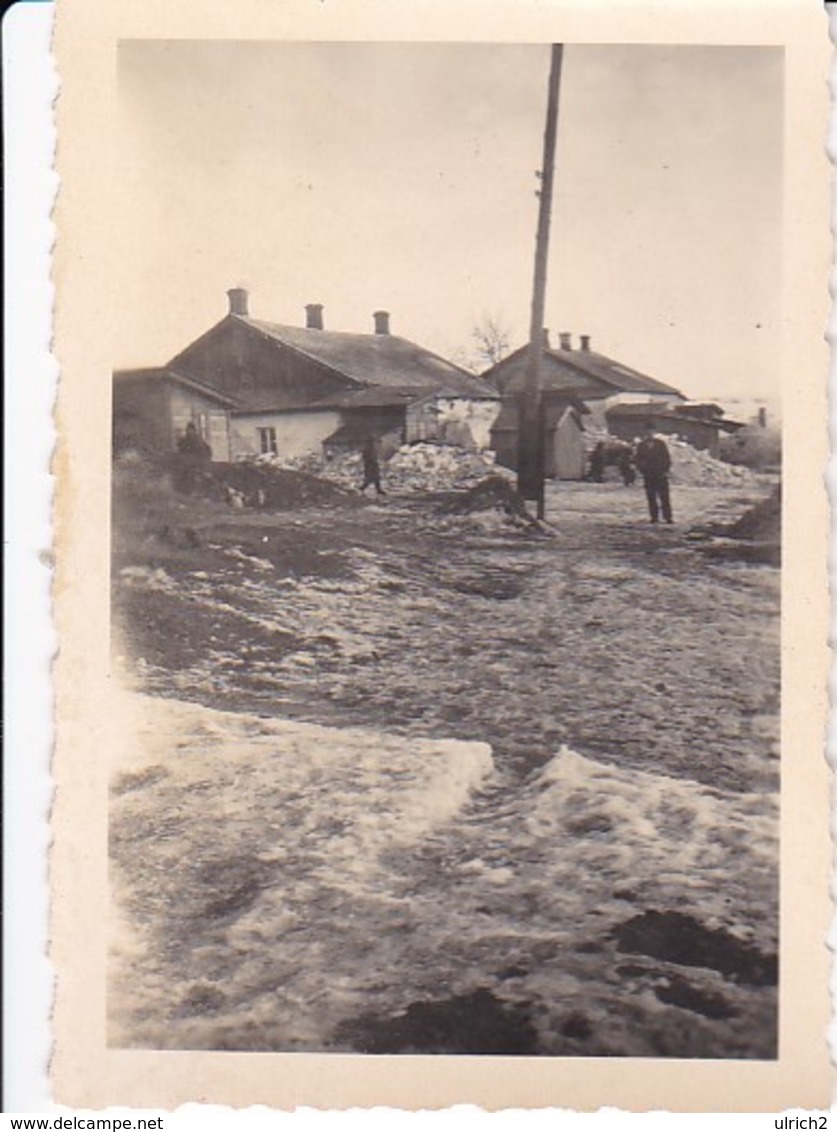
314,316
546,344
381,322
238,301
585,342
566,340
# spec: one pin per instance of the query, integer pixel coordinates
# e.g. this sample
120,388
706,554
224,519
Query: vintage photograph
446,549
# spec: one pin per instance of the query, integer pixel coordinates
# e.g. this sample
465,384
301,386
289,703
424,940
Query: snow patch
382,789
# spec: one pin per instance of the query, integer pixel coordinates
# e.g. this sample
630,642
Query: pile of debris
264,485
418,467
689,466
762,523
755,537
492,504
346,470
435,467
697,468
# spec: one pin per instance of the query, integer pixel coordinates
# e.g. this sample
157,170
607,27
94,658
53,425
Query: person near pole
653,461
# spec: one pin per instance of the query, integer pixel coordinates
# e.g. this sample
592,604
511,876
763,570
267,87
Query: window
267,441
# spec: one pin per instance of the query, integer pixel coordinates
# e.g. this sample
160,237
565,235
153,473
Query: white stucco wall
297,434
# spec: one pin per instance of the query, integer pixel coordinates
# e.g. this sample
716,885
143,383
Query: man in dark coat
193,458
193,444
653,460
371,466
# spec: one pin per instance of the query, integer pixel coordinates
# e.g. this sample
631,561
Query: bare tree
491,341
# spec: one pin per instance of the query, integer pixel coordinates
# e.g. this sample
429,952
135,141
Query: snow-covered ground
430,772
281,879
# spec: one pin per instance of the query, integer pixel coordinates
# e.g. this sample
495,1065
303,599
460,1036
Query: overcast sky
401,177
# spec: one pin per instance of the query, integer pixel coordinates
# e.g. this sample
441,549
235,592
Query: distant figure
193,457
371,466
191,443
597,463
626,467
654,462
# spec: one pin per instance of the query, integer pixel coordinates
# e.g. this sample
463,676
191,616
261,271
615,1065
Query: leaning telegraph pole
530,457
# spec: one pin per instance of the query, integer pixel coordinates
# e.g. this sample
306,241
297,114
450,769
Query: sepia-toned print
446,549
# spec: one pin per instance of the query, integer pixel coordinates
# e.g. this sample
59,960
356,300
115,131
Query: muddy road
616,637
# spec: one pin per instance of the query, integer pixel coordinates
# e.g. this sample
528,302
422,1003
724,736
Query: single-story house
563,433
700,425
293,390
598,380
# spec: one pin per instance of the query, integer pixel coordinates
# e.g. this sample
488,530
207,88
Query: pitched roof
651,411
372,397
162,373
585,372
620,377
510,375
356,433
377,359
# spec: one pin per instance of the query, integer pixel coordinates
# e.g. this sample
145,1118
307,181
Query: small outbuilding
563,431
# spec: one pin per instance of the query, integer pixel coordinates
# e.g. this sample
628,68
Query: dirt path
616,637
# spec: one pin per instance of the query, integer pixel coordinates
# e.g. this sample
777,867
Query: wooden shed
564,455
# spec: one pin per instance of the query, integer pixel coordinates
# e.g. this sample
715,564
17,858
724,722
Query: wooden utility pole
530,462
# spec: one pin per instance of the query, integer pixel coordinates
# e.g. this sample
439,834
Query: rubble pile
697,468
338,469
413,467
762,523
434,467
755,537
491,504
264,484
689,465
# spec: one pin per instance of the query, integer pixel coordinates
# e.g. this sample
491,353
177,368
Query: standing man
371,466
193,459
654,462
